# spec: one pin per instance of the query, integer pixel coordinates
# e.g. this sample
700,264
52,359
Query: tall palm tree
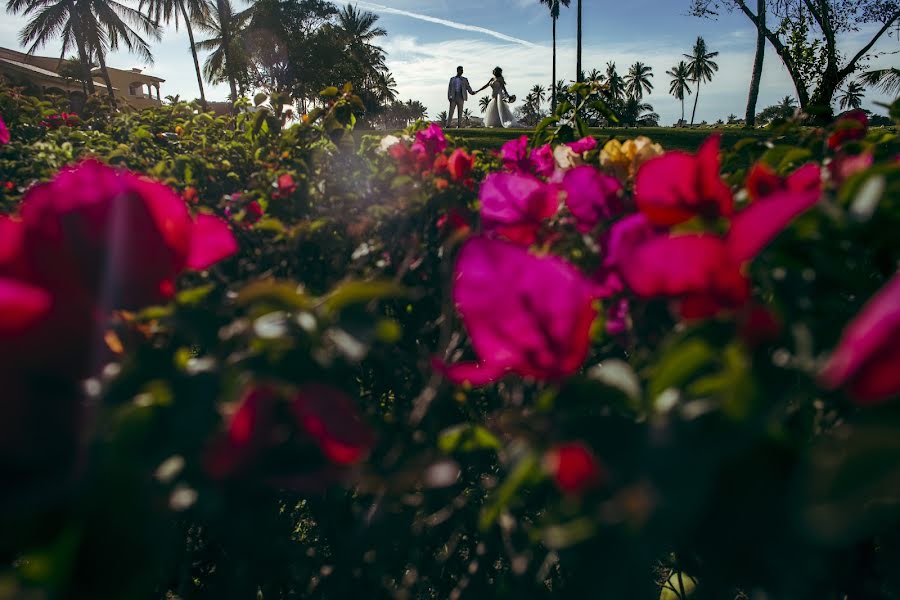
638,114
638,80
578,72
539,94
852,96
227,60
52,19
702,68
614,82
887,80
680,84
595,75
554,6
483,103
387,87
167,11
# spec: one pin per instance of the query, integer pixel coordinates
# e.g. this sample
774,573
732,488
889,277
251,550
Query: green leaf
527,469
680,363
280,292
360,292
466,437
260,98
329,92
194,296
678,587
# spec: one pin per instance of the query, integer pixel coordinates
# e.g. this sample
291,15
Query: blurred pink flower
525,314
4,133
515,205
518,158
678,186
591,196
843,166
430,141
706,271
618,242
866,359
542,161
121,238
331,419
585,144
849,127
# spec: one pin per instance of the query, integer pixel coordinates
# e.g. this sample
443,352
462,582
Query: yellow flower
623,160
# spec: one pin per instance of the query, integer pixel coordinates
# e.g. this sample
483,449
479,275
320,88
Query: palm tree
702,67
852,97
614,82
680,84
578,72
227,59
638,80
416,110
387,87
167,11
51,19
595,75
442,117
638,114
554,6
887,80
483,103
467,117
539,94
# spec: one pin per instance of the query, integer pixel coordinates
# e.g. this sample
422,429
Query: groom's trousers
456,103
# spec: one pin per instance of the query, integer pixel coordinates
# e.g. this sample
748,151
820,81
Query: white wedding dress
498,113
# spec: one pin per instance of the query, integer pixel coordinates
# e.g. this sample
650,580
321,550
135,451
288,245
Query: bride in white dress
498,113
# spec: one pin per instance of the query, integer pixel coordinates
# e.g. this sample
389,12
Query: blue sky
427,39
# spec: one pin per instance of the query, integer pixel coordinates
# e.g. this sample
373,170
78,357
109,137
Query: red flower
585,144
116,237
430,141
518,159
248,434
453,221
525,314
763,182
286,185
868,354
678,186
515,205
4,133
190,194
330,418
849,127
460,164
574,468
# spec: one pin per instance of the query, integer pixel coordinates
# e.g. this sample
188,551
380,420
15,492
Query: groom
457,93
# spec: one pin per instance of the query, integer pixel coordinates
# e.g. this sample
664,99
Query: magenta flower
330,418
591,196
617,243
678,186
519,159
4,133
574,468
120,238
849,127
430,141
585,144
21,306
515,205
525,314
542,161
866,358
617,317
705,271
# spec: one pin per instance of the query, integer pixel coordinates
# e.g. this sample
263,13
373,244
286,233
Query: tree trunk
553,83
106,79
190,32
682,110
696,97
84,59
578,52
225,26
750,116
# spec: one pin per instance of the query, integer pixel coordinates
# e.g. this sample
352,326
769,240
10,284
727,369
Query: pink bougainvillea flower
248,434
617,317
460,165
542,161
678,186
866,358
4,133
591,196
849,127
763,182
574,468
618,242
525,314
120,238
330,418
285,186
585,144
706,271
430,141
514,205
844,166
21,305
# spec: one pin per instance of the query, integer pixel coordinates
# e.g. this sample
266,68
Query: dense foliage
297,363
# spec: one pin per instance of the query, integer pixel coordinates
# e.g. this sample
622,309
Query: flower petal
211,241
591,196
329,416
21,305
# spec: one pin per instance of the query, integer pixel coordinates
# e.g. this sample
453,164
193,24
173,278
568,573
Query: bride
498,113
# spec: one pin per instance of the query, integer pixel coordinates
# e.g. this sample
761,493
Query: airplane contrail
446,23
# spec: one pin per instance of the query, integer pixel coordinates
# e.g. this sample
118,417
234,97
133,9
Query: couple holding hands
497,113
